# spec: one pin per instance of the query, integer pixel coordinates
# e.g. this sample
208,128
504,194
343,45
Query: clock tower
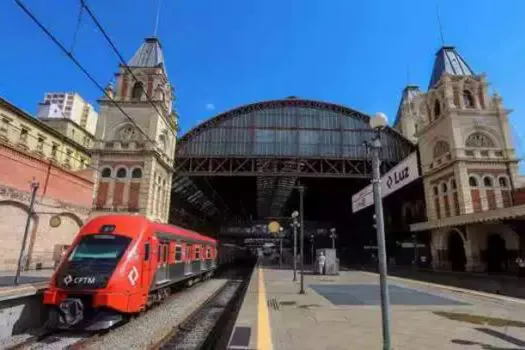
136,135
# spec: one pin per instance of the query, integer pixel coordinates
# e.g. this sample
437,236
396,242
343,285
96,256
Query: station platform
30,283
344,312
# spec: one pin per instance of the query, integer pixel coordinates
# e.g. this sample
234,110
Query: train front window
100,247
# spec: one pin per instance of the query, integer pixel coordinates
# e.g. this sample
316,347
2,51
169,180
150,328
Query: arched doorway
456,252
496,253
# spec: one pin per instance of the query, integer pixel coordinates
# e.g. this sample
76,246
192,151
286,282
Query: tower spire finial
440,26
157,19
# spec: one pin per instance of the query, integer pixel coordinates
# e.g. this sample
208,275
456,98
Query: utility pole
34,189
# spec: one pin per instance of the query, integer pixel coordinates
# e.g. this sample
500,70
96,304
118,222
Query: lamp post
414,240
34,189
312,246
281,230
377,123
301,226
333,236
295,225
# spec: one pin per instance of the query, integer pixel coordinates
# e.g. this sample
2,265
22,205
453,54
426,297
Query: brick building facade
30,150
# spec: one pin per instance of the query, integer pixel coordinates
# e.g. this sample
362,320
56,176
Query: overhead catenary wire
80,66
70,55
123,61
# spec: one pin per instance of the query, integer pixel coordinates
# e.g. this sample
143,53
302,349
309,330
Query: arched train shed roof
292,128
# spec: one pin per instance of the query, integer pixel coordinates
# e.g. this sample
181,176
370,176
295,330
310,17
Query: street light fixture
295,225
378,123
333,236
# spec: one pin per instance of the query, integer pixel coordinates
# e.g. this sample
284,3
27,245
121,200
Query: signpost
398,177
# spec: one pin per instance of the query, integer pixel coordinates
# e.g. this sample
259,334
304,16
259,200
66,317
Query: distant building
31,149
68,105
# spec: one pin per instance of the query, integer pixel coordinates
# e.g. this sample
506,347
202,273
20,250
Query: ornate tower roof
449,61
149,55
408,94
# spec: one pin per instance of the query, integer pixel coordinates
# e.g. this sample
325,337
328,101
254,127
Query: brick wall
18,169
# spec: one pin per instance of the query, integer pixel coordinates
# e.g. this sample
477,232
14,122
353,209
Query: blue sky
222,54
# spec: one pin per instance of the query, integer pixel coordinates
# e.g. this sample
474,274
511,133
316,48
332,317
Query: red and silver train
119,265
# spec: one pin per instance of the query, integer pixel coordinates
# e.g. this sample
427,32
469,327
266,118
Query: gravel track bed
57,342
13,340
204,321
151,327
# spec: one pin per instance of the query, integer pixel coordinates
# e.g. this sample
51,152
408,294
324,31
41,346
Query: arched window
468,100
503,182
136,173
473,182
444,188
487,181
453,184
436,190
479,140
122,173
441,148
437,109
136,93
106,172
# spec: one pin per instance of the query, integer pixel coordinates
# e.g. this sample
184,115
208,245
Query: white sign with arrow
399,176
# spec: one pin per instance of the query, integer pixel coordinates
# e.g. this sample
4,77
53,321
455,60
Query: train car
119,265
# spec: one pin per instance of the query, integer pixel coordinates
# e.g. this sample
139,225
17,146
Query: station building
32,150
472,189
234,172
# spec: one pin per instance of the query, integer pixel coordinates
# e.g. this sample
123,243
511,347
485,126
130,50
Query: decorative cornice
9,193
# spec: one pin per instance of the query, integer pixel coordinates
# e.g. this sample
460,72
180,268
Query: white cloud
210,106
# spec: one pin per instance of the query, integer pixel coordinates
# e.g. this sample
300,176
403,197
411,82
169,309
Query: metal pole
301,215
294,250
312,249
415,249
385,302
333,242
34,188
281,253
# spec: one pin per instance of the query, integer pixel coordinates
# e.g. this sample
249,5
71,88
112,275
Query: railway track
193,332
207,327
56,340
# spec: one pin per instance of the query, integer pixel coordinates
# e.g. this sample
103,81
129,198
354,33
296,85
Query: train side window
197,253
146,251
178,253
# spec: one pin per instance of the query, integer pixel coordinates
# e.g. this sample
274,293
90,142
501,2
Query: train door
214,257
162,265
187,261
146,266
204,256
